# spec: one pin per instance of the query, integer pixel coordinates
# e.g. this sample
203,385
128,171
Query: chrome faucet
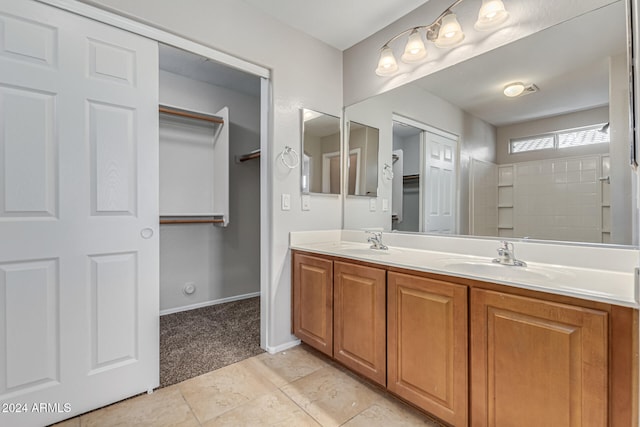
376,240
507,255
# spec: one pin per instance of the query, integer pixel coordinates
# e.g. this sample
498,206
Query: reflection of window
542,142
596,134
584,136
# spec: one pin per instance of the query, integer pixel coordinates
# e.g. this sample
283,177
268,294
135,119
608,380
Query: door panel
313,290
537,362
28,299
440,184
427,345
113,317
359,319
29,183
113,159
78,183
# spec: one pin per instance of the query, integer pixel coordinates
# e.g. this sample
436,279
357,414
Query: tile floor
297,387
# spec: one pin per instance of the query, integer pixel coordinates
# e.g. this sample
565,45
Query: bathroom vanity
470,341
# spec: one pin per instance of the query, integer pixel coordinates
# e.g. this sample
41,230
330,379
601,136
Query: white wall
476,136
304,73
360,61
220,262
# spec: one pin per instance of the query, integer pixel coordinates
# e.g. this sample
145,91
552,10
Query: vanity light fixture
518,89
444,32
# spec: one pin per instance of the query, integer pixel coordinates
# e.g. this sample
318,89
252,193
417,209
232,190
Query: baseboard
208,303
282,347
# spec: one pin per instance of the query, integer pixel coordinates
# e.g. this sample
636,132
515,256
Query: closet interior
405,203
209,119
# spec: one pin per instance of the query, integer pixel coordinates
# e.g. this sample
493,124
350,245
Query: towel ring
289,157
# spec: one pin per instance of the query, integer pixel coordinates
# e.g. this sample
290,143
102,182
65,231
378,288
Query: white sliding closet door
439,214
78,214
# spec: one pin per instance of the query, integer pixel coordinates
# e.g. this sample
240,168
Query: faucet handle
506,246
374,233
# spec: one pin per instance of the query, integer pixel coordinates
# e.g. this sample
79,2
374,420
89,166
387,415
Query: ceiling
339,23
474,85
568,63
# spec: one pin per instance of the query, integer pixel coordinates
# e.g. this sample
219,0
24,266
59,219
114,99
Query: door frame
110,17
423,150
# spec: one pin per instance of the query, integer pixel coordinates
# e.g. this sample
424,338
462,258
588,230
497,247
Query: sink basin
499,271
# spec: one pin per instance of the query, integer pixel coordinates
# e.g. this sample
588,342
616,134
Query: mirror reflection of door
424,186
354,171
306,173
405,193
440,183
320,153
331,172
365,142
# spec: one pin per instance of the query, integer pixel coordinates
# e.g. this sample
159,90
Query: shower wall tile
558,199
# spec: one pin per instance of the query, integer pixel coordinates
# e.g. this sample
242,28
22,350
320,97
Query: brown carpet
198,341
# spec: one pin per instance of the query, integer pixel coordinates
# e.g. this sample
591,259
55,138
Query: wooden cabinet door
359,319
313,301
427,345
536,363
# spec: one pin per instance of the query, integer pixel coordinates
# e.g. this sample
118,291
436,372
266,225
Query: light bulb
414,51
387,64
513,89
492,13
450,33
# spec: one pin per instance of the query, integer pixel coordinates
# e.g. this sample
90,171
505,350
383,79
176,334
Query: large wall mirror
321,161
362,164
551,164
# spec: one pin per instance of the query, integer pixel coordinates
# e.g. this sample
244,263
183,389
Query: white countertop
611,282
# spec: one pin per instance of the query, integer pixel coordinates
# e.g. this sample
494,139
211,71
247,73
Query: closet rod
249,156
407,178
191,221
189,114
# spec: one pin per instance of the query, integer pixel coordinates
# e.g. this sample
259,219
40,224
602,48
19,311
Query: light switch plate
385,205
286,202
372,205
306,202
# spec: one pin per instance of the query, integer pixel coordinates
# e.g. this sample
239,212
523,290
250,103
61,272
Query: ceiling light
492,14
445,31
517,89
513,89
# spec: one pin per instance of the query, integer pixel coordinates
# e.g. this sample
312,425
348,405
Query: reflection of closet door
78,214
440,183
331,173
